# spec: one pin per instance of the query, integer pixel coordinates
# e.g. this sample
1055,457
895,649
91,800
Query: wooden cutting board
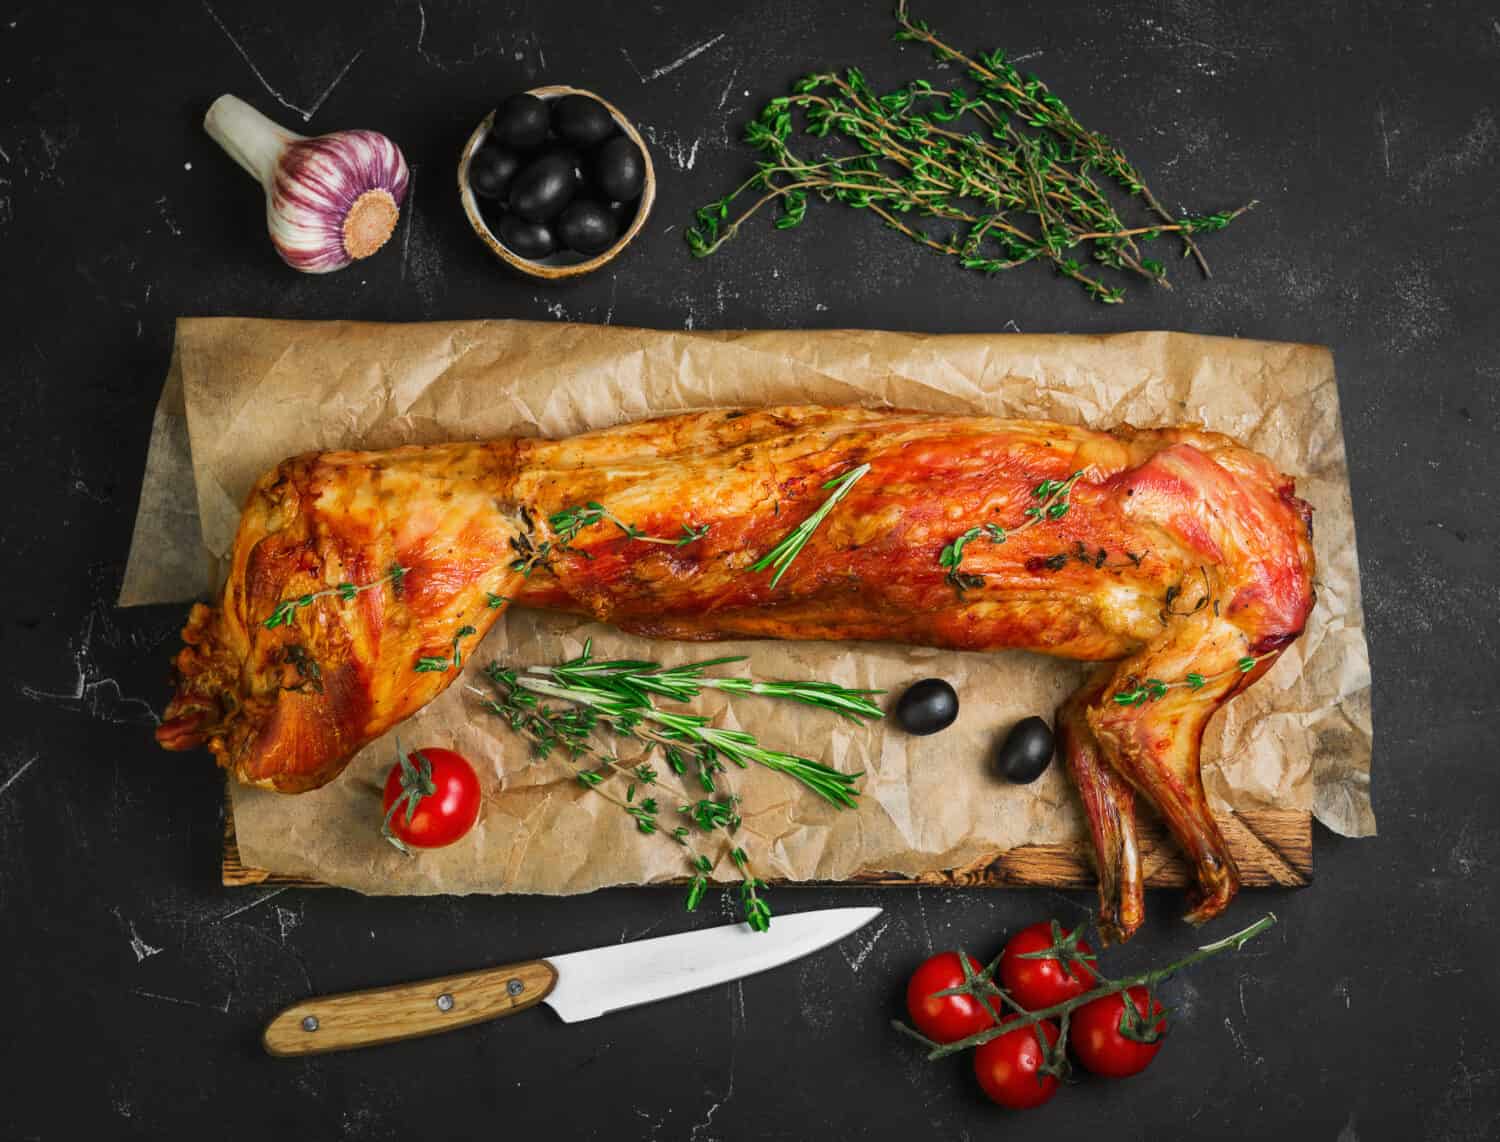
1273,848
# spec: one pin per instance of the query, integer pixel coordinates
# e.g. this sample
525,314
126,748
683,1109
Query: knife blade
576,985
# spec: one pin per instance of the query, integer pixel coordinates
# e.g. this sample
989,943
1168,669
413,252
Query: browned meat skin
1180,553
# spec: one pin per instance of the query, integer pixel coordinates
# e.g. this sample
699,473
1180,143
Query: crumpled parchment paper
243,394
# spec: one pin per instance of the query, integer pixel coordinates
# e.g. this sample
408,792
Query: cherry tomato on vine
945,1018
431,799
1009,1067
1101,1045
1036,983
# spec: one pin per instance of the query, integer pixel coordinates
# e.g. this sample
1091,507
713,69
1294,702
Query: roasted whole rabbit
1176,558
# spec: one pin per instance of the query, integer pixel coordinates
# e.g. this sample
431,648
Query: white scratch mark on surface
1012,326
224,1010
16,776
1344,988
1027,56
409,206
728,87
667,69
422,35
318,102
1385,138
166,216
287,919
708,1115
143,951
92,694
306,113
1243,1047
922,916
253,904
5,155
1348,1133
737,1005
857,960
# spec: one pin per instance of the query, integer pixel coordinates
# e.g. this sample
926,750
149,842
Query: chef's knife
578,986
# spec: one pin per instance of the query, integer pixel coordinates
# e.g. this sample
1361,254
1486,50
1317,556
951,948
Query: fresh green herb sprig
757,911
685,682
1005,169
781,556
566,734
1054,504
287,609
567,523
981,985
430,664
1154,689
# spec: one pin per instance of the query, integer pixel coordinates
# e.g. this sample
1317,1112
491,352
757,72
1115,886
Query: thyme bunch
994,176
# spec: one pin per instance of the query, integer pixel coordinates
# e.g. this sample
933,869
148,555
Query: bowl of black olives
556,182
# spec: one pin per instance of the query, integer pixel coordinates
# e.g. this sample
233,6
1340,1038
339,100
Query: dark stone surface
137,987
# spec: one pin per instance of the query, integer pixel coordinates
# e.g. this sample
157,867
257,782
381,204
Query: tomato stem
981,984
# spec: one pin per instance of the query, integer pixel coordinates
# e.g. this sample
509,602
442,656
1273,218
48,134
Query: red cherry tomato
1095,1034
945,1018
1039,983
1008,1068
446,793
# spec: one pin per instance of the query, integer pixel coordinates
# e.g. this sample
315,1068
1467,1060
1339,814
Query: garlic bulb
330,199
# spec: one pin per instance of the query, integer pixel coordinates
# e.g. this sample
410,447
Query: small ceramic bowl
563,263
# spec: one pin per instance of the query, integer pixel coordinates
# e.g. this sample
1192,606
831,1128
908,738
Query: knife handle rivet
309,1023
445,1002
514,987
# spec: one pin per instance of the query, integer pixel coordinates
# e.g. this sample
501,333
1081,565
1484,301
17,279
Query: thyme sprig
1154,689
433,664
287,609
781,556
1005,169
1054,504
567,523
981,985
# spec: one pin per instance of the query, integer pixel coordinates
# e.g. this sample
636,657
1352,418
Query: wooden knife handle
408,1010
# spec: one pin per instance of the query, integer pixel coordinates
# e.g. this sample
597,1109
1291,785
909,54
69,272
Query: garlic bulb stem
247,136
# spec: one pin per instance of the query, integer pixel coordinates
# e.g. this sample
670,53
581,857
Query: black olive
623,213
521,122
619,169
587,227
528,239
927,706
1026,751
542,188
581,121
491,170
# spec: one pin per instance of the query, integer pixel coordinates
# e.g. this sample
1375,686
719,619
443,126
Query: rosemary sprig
781,556
568,731
1154,689
287,609
1005,169
981,985
429,664
1054,504
685,682
567,523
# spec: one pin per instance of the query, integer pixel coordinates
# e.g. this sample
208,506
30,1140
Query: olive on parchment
619,169
529,239
927,707
587,227
521,122
1026,751
545,186
582,121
